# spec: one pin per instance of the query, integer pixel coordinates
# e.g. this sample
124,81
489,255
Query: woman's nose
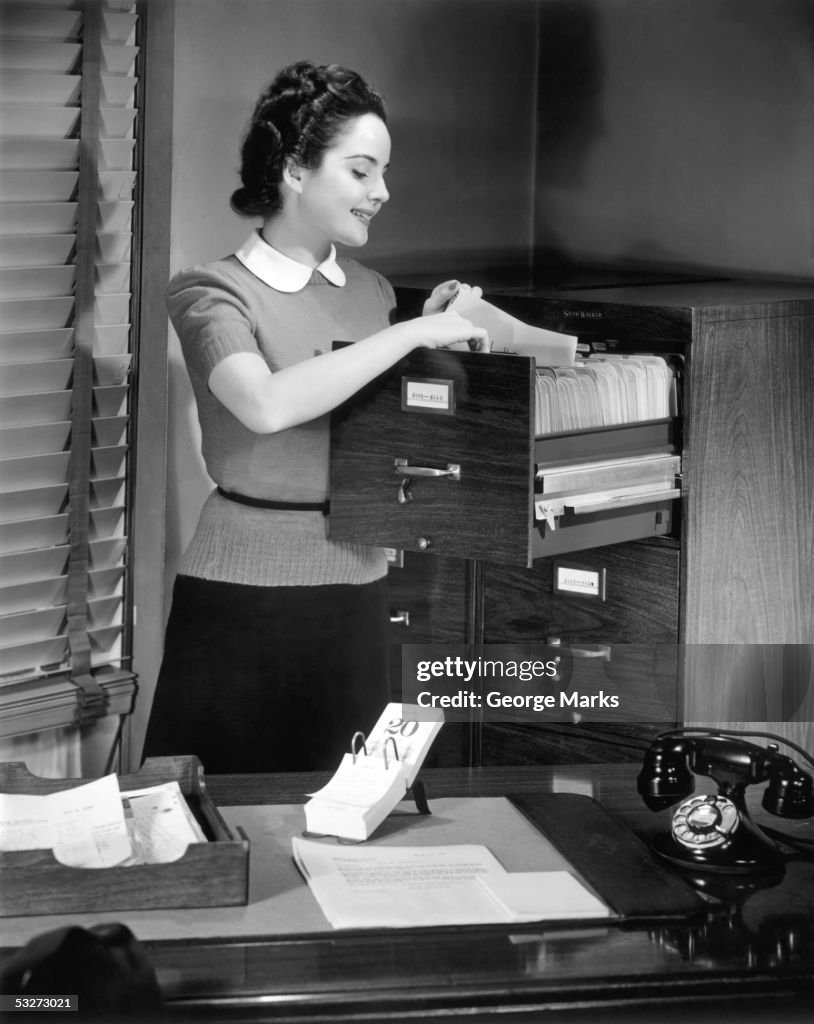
379,192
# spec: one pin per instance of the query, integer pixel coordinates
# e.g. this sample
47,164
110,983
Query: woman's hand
442,330
443,294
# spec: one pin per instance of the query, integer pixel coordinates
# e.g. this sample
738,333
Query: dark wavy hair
297,117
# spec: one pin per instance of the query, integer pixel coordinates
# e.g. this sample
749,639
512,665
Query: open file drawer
439,454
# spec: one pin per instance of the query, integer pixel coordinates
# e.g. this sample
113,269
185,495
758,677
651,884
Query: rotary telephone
714,832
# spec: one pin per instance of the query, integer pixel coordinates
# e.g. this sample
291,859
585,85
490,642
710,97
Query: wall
677,133
458,78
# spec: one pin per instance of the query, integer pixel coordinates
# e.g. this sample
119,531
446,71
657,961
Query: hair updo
296,118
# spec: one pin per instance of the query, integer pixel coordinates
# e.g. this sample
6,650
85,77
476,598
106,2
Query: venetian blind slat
38,172
64,237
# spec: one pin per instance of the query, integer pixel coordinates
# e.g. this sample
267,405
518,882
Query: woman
276,646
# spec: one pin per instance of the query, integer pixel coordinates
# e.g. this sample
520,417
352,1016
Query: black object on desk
617,864
715,832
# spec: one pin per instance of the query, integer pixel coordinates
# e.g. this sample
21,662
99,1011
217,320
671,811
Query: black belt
289,506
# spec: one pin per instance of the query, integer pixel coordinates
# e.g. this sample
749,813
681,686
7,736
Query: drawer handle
453,472
400,618
590,651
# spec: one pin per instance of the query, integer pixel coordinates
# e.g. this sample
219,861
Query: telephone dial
714,831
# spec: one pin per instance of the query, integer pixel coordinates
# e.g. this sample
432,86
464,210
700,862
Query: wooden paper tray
211,874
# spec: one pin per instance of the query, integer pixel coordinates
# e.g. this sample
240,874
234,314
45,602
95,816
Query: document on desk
419,886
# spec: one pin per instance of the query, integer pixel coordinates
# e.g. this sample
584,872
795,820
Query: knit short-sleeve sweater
222,308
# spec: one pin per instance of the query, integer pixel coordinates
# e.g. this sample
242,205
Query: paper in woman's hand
508,334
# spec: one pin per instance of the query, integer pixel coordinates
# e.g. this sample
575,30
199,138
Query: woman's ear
292,176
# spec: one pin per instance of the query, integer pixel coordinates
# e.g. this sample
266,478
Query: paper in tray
211,874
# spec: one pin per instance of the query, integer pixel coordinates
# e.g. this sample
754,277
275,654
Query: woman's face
338,199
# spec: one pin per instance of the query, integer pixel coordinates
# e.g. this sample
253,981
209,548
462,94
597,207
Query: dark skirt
266,679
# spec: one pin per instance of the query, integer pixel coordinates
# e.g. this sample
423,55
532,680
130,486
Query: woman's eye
361,175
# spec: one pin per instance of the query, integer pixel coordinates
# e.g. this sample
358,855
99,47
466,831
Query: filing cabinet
430,601
621,638
704,579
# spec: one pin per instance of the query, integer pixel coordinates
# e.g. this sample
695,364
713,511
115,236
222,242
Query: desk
754,959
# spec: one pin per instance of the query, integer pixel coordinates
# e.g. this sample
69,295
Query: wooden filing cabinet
710,611
430,603
625,644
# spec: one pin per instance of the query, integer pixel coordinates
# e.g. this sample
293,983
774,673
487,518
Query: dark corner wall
676,133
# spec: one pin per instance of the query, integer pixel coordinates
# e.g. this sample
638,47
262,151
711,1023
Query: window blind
68,168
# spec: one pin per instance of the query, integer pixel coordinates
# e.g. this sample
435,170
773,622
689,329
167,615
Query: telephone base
746,852
729,887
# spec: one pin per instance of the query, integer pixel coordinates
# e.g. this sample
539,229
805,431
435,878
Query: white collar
281,272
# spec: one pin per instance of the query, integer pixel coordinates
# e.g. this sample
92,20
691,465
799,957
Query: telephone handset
714,832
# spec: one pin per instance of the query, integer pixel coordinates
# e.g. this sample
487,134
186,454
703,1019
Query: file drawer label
428,394
395,557
585,582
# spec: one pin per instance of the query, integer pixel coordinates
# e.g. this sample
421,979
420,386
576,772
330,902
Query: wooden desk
754,959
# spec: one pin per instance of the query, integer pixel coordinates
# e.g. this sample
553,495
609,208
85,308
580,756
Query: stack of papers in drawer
602,391
585,487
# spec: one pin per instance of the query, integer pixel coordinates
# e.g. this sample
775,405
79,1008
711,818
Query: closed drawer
439,455
428,600
509,744
614,613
